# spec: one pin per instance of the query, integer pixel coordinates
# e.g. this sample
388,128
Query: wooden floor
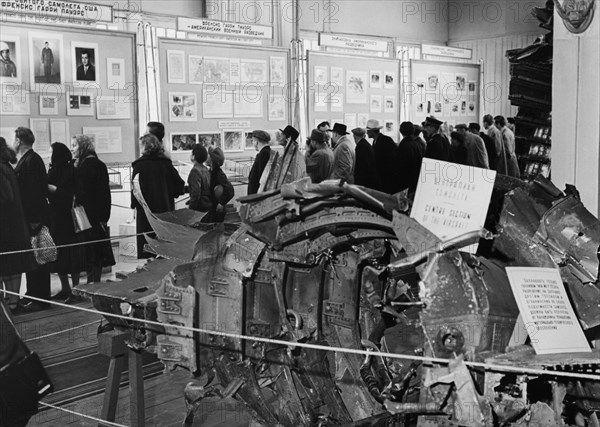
78,374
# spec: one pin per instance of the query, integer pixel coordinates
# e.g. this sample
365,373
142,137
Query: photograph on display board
176,66
433,81
183,142
350,120
375,104
217,104
216,70
471,85
277,70
375,79
320,100
389,128
249,142
361,120
115,73
321,77
463,107
437,107
10,59
196,72
233,140
276,107
389,80
461,81
254,71
79,105
183,107
455,109
84,57
337,76
46,58
389,104
420,107
48,105
210,138
471,107
356,87
336,102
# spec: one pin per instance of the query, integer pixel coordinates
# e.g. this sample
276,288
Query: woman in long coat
93,193
14,232
61,191
160,184
221,190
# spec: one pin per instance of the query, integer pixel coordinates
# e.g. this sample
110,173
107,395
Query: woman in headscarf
221,190
14,232
160,184
61,191
92,191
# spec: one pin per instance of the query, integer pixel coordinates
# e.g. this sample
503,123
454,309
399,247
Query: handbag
22,383
44,247
81,221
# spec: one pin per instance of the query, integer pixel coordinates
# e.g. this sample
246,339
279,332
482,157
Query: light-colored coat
344,159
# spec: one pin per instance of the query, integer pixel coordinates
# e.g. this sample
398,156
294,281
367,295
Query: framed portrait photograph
183,107
233,141
10,59
389,104
277,75
84,57
46,59
176,66
79,105
249,142
183,142
210,138
389,80
375,79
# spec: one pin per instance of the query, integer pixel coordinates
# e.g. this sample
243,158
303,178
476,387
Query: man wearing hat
477,155
384,148
343,154
438,146
319,157
409,156
261,141
490,146
291,165
365,172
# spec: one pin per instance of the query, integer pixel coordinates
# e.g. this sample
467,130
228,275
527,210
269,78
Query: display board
447,90
353,89
67,81
213,93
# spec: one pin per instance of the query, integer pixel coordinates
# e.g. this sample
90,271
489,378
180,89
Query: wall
576,111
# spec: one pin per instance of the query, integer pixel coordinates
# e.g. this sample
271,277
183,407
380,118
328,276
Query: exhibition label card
546,310
452,199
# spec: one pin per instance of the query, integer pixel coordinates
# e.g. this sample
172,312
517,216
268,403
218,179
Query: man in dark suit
385,151
409,156
33,186
261,143
438,146
365,171
86,71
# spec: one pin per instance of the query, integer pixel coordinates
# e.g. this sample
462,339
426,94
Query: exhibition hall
241,213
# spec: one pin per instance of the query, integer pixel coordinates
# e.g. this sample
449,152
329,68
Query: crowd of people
30,198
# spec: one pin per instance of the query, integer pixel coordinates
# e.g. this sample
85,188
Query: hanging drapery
147,63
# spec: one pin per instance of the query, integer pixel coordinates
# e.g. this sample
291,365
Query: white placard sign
352,42
234,29
54,10
106,139
446,51
233,124
452,199
546,310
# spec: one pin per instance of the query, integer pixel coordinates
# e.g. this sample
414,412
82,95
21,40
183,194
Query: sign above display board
233,29
352,42
58,10
447,51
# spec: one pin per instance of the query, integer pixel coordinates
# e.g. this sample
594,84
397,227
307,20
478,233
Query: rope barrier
89,417
434,360
123,236
63,331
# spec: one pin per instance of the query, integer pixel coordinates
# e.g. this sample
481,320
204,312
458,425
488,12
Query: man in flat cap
385,151
319,157
438,146
343,154
476,152
261,141
365,171
409,156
